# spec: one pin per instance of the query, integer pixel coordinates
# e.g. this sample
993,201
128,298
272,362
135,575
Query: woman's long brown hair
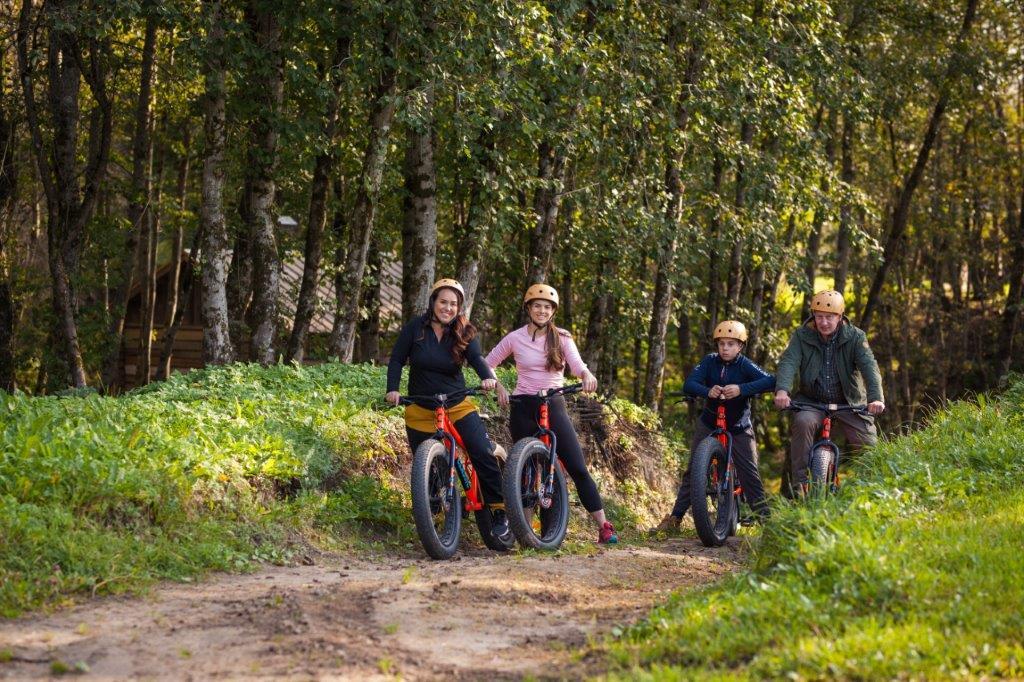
553,345
462,330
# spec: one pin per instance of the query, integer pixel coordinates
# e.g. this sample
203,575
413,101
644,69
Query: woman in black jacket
436,345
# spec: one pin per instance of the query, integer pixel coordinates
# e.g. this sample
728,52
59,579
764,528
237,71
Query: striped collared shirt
827,385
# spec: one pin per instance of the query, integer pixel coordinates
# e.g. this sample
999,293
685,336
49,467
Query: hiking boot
499,527
667,525
607,536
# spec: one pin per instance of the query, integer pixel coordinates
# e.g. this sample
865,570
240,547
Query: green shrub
913,570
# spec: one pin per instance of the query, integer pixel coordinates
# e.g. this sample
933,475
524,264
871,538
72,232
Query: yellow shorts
422,419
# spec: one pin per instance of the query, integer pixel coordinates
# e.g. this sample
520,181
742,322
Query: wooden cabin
187,352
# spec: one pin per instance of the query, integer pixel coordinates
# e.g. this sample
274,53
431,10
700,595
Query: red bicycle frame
722,434
461,466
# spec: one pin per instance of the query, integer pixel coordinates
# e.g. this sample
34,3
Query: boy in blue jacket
731,376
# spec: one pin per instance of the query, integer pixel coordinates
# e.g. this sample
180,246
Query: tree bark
152,217
369,327
263,23
383,110
597,320
662,305
184,294
901,210
550,173
71,192
138,203
714,227
735,280
178,240
814,239
474,241
217,347
845,208
325,163
419,227
8,192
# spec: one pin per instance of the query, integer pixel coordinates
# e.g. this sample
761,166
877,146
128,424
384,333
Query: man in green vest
830,361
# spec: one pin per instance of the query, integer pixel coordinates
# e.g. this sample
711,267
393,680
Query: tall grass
914,570
103,494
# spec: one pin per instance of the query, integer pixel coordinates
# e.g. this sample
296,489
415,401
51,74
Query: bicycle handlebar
549,393
440,399
828,408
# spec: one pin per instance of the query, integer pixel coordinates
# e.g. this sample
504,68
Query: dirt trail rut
482,616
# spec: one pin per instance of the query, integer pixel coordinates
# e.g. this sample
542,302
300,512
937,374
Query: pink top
531,360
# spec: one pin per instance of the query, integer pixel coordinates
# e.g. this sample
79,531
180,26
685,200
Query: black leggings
480,450
523,424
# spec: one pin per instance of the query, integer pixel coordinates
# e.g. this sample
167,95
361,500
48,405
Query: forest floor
479,616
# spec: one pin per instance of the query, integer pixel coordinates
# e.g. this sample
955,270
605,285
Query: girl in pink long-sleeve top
541,352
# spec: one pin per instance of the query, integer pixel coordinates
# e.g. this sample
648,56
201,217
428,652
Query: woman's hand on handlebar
502,395
782,400
393,397
589,382
876,407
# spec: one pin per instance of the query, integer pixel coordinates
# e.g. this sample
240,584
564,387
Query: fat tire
525,455
821,469
713,526
431,457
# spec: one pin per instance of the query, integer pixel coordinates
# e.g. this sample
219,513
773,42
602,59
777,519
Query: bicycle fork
549,438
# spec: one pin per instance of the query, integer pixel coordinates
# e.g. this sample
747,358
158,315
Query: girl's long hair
462,330
553,344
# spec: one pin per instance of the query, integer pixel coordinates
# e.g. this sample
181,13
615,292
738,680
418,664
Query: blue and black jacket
744,372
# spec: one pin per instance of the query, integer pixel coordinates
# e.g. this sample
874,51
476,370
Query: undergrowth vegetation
913,570
218,469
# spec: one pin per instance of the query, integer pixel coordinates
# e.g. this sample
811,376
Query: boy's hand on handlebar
715,392
782,400
393,397
876,407
589,382
488,384
731,391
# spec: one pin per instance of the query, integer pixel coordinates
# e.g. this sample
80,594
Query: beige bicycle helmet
730,329
447,283
829,301
541,292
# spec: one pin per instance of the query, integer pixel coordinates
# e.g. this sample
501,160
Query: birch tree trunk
419,227
71,192
217,347
474,241
662,305
319,188
263,22
383,111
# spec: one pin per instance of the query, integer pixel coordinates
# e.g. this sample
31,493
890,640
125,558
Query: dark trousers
523,424
744,455
480,451
805,429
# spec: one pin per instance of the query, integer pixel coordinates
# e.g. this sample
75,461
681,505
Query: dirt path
481,616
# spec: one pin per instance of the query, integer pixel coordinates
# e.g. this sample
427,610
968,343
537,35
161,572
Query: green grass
215,470
913,571
220,469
